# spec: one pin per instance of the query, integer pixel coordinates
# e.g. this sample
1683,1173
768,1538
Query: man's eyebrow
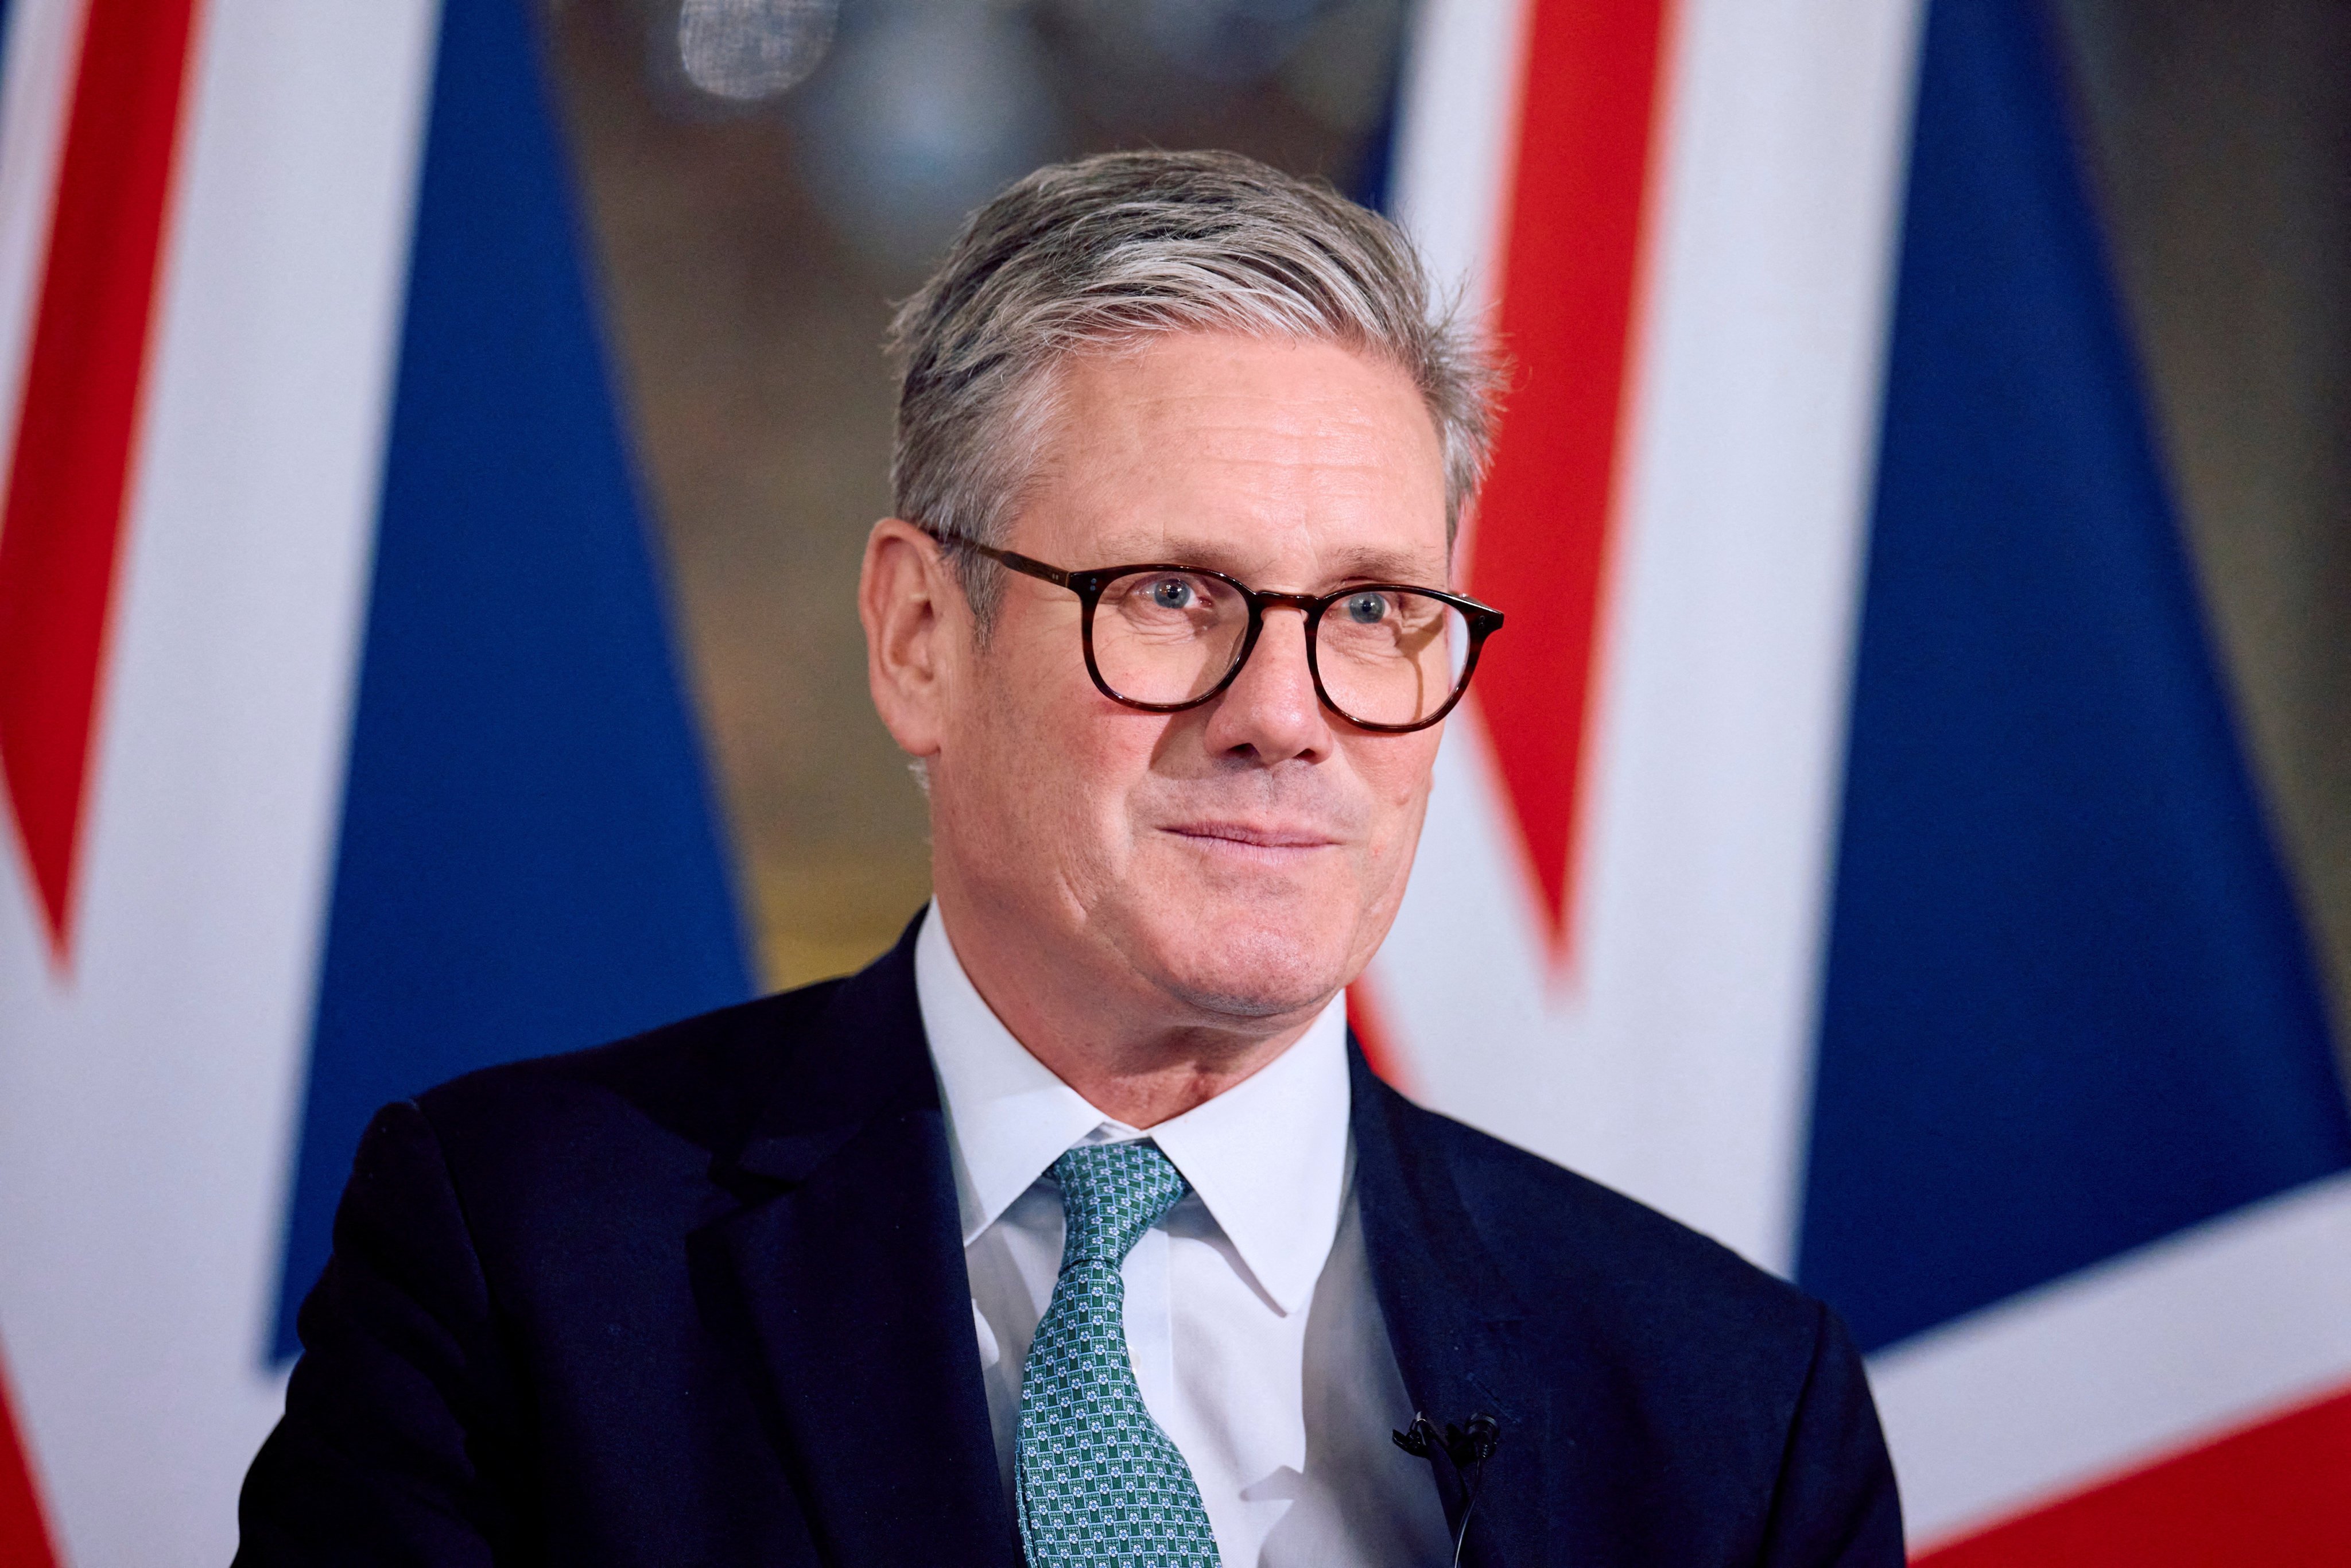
1353,564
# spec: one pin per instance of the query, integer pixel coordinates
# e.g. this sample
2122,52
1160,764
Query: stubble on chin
1221,960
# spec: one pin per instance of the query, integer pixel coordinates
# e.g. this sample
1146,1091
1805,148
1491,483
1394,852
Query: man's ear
914,619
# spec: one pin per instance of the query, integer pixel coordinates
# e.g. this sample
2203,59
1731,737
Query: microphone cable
1468,1447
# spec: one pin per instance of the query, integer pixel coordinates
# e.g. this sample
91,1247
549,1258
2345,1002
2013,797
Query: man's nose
1270,712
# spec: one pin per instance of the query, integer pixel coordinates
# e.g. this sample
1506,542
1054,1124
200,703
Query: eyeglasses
1384,656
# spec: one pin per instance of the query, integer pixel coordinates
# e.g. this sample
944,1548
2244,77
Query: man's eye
1172,593
1367,609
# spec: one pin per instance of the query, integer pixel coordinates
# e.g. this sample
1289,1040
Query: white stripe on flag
1674,1061
1456,122
147,1099
2102,1372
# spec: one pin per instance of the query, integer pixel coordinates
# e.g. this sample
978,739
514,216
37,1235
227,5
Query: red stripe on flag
1371,1034
1571,258
24,1534
2279,1492
62,528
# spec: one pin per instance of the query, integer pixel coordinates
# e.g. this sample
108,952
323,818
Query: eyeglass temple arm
1020,562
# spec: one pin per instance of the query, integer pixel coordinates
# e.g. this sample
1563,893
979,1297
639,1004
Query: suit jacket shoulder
1688,1405
628,1306
1561,1238
701,1082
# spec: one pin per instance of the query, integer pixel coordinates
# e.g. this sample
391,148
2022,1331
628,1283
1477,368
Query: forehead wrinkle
1160,505
1309,435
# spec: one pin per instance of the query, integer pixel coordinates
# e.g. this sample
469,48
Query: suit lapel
842,1281
1453,1322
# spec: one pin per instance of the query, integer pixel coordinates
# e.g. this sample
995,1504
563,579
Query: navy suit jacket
698,1298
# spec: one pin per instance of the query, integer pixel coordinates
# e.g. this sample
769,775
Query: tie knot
1112,1194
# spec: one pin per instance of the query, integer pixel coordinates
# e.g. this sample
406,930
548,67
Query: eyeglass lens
1386,656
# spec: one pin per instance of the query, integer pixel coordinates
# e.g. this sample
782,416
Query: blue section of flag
528,858
2068,1006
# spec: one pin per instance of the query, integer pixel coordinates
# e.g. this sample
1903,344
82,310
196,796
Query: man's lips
1254,835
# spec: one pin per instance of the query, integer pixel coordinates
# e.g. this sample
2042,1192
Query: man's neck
1131,1053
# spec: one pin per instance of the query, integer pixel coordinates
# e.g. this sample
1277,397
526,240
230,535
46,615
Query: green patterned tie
1100,1486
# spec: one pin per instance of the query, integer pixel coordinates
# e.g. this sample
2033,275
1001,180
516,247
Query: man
1074,1230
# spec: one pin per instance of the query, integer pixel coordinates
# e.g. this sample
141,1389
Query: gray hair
1103,254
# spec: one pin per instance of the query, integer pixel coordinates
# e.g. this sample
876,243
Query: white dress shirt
1257,1339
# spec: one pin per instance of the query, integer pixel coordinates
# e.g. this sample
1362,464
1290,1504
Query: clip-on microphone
1466,1447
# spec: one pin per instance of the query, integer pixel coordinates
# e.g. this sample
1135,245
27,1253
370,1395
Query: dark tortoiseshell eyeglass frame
1483,621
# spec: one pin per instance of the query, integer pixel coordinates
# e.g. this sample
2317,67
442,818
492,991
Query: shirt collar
1268,1156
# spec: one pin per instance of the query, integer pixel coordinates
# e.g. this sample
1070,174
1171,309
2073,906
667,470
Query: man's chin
1246,972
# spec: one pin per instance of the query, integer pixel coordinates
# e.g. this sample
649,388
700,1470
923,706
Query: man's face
1241,860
